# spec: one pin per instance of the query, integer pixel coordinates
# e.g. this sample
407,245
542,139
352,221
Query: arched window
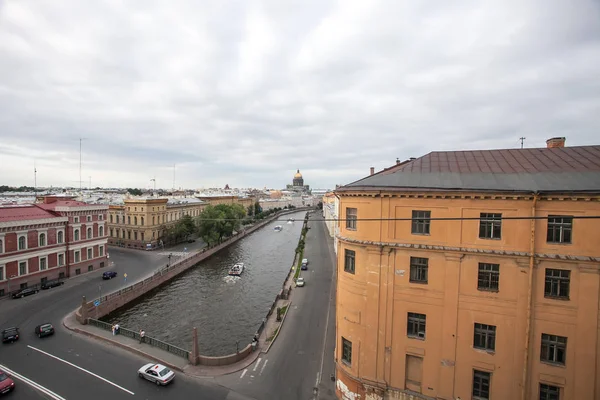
129,220
76,234
1,246
135,220
111,219
142,221
89,233
153,220
129,235
111,232
60,237
101,231
42,239
22,243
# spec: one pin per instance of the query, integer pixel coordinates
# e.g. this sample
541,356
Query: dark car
24,292
51,284
10,335
6,384
109,275
44,330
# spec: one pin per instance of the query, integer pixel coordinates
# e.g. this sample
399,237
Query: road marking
263,367
82,369
243,373
33,384
256,365
318,379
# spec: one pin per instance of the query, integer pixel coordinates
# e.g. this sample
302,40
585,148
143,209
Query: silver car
156,373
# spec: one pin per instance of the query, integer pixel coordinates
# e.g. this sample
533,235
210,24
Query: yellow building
141,222
214,200
453,291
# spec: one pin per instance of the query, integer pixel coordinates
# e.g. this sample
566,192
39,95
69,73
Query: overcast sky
246,92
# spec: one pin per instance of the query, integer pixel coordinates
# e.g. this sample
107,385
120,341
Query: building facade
477,277
330,213
54,239
298,184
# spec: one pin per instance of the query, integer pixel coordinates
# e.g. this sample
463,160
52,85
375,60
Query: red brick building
56,238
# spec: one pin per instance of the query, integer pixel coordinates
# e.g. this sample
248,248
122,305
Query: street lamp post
170,254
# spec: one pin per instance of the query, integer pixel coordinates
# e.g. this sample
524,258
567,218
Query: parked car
109,275
304,265
10,335
44,330
156,373
24,292
300,282
6,384
51,284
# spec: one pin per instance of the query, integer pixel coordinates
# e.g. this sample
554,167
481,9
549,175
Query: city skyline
240,94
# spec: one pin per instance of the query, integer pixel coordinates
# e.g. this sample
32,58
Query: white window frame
88,251
101,251
40,263
100,233
63,236
26,268
78,230
89,230
2,273
77,256
19,239
2,240
100,217
58,263
45,233
88,218
75,220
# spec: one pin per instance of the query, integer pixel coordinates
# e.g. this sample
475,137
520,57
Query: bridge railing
178,351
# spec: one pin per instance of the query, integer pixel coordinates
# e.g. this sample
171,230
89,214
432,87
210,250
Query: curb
121,345
278,329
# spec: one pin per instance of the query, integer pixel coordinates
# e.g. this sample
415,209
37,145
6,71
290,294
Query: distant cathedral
298,184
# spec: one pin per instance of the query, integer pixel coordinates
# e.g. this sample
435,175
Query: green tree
257,208
187,225
134,192
210,224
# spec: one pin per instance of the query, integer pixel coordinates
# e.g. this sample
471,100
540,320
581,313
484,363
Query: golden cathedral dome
298,175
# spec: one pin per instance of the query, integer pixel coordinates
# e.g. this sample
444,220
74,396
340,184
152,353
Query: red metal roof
23,213
62,203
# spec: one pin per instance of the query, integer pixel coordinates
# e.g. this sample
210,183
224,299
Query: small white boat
278,228
237,269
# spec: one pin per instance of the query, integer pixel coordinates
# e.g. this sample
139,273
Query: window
90,268
554,349
2,273
349,260
418,269
153,218
90,253
22,243
557,283
60,237
351,215
484,337
135,235
490,226
42,239
23,268
89,233
129,220
142,236
559,229
481,385
101,251
346,351
100,231
111,219
61,259
549,392
100,217
77,256
75,220
416,325
76,234
102,264
135,220
421,221
129,235
1,246
43,263
78,271
142,221
488,277
89,218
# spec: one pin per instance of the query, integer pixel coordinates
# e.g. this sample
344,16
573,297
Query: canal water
224,309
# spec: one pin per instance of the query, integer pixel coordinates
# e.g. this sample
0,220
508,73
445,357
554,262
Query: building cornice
85,245
33,222
98,207
468,196
468,250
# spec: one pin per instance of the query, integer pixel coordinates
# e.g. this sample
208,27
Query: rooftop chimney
555,142
397,161
413,158
372,170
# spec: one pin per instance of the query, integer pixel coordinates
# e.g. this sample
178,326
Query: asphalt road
300,358
68,366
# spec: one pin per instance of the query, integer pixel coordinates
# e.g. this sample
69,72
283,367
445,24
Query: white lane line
263,367
256,365
82,369
318,379
243,373
33,384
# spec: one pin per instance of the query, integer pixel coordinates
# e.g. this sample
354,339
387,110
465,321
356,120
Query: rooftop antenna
522,139
173,177
34,179
154,180
80,181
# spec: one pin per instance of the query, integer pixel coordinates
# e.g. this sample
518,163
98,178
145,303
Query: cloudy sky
246,92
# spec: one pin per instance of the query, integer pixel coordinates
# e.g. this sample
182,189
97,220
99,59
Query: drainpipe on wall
525,384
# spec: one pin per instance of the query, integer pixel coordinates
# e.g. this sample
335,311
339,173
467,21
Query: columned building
472,275
298,184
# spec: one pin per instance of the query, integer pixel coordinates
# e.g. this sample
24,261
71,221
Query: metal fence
178,351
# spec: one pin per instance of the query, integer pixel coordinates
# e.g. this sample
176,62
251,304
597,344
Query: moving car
109,275
300,281
304,265
24,292
6,384
10,335
51,284
44,330
156,373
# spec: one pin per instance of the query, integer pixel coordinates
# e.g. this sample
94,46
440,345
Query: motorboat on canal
237,269
278,228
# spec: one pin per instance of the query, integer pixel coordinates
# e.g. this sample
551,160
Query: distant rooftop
24,213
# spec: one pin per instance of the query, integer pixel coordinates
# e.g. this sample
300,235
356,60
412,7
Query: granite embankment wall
115,300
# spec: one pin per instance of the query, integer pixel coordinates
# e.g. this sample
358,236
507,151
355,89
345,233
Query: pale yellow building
472,275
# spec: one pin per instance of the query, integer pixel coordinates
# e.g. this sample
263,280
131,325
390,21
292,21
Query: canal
224,309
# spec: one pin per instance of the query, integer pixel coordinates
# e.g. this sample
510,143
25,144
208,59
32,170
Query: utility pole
522,139
154,180
34,179
173,178
80,181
